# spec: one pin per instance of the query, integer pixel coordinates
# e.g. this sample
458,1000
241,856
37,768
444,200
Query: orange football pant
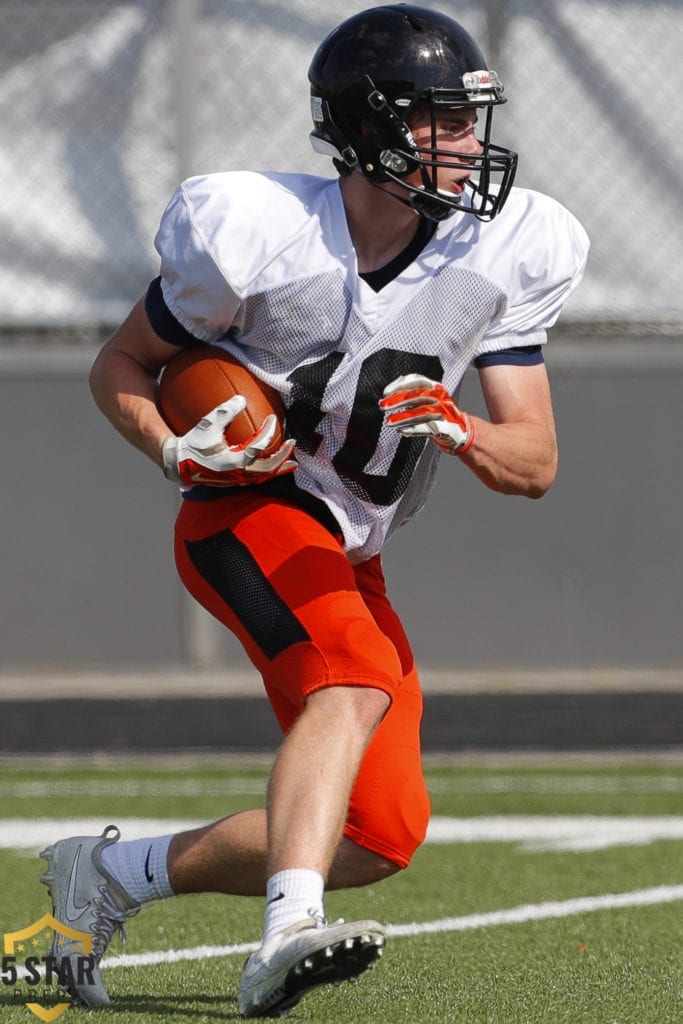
308,619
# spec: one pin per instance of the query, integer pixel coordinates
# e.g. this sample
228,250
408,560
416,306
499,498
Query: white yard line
33,834
514,915
537,832
534,833
544,911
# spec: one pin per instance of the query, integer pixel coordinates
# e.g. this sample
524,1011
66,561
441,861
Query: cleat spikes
301,958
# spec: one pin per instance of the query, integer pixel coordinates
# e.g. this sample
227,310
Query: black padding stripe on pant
233,572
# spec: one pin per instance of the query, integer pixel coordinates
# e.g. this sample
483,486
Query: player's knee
361,706
385,868
374,705
356,865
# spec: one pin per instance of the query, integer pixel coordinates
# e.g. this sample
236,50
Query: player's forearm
513,458
126,393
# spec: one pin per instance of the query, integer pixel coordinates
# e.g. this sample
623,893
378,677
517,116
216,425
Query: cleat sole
332,964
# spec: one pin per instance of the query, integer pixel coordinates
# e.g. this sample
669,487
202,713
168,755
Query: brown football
198,379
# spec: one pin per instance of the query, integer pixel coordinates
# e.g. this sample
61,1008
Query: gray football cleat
87,898
303,956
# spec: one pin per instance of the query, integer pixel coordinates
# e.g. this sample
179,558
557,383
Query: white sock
291,896
140,865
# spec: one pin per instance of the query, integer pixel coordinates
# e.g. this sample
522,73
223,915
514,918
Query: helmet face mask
374,74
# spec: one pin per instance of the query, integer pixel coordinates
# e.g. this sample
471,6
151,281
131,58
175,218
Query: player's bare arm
516,452
123,381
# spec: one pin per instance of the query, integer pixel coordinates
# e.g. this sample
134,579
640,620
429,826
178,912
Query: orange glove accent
420,407
204,456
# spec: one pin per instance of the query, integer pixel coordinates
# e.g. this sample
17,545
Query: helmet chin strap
421,203
432,211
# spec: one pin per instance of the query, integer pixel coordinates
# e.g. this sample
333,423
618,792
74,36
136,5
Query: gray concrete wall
589,578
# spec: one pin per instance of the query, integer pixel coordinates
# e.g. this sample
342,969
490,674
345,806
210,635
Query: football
198,379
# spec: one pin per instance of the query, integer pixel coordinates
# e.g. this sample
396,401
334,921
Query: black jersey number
365,423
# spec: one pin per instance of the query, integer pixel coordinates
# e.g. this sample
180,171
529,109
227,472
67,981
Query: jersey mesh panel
296,320
386,479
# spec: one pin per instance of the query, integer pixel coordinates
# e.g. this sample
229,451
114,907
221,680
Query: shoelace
317,916
320,919
109,917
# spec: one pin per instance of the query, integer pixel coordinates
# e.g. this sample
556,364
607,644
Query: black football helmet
373,72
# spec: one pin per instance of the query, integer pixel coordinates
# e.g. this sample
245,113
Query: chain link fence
105,107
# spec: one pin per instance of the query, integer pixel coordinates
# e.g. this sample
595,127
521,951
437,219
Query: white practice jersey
263,266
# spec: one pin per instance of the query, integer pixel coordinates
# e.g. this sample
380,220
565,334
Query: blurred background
104,108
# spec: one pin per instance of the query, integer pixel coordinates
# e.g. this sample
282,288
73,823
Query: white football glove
203,456
420,407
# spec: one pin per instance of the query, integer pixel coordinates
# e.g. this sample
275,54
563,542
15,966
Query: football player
362,299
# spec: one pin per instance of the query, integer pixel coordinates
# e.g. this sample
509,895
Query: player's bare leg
308,802
308,799
313,775
230,855
301,831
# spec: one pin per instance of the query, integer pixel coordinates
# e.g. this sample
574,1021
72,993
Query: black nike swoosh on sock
280,896
148,874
